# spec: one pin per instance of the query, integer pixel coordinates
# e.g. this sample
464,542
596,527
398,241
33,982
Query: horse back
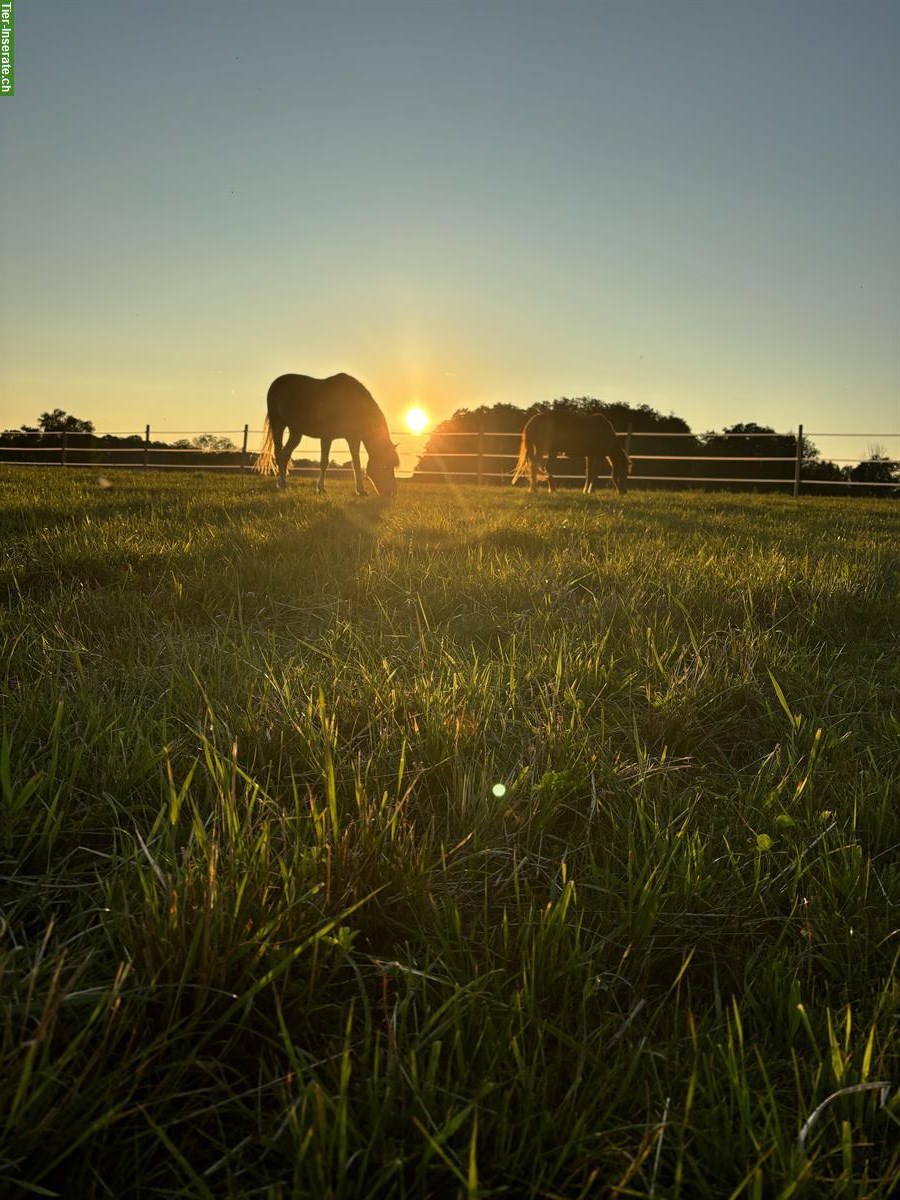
573,434
339,406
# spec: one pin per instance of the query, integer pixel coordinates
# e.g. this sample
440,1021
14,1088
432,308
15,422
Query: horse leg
551,467
323,463
590,472
620,478
357,469
283,453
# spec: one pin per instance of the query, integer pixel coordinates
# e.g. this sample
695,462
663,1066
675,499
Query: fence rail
69,449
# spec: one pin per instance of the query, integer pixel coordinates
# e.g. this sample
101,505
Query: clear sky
690,204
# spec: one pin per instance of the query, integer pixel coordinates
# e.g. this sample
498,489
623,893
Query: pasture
479,844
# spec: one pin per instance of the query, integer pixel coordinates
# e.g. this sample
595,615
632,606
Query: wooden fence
482,453
69,449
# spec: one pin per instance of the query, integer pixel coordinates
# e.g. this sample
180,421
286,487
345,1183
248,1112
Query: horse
561,431
337,407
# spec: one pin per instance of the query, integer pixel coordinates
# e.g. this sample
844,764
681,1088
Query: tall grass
476,845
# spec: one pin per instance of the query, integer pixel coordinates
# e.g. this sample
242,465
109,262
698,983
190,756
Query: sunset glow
458,276
417,420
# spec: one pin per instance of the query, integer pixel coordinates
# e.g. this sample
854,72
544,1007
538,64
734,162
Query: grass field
477,845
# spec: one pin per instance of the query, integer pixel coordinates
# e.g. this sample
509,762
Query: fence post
628,439
147,446
244,450
62,448
481,451
799,461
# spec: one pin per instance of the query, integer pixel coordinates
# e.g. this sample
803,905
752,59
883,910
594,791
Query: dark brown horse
585,435
337,407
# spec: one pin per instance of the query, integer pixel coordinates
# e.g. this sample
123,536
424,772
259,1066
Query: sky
693,205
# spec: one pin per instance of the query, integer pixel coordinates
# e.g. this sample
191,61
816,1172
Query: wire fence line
81,449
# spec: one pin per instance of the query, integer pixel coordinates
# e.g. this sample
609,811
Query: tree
472,438
211,443
59,421
824,471
749,440
877,468
757,440
448,453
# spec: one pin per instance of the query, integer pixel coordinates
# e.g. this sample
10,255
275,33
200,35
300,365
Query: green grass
266,928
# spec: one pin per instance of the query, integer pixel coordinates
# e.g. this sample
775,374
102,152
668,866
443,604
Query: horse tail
265,460
522,464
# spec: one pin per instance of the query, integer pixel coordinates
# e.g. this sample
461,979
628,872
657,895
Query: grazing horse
337,407
561,431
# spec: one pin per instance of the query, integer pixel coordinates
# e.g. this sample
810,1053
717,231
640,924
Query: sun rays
416,419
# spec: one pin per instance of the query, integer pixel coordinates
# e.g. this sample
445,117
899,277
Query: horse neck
377,434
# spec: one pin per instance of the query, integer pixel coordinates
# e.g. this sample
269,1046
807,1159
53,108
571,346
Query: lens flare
417,420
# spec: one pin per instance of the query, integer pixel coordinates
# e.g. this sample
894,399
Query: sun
417,420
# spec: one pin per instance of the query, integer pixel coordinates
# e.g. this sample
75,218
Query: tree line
458,448
85,447
479,442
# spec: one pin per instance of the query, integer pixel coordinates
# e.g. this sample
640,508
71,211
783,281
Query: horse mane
379,439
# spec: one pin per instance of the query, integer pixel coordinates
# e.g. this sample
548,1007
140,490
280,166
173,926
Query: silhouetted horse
574,434
337,407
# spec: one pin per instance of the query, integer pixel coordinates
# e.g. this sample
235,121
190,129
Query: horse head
621,469
383,459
